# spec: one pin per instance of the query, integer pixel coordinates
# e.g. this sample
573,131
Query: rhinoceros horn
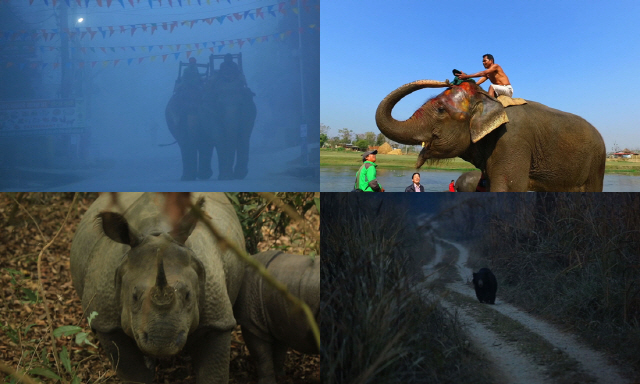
162,294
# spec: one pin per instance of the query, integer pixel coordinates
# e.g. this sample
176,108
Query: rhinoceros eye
187,296
135,296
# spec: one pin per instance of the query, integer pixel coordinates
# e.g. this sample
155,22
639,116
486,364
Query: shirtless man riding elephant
499,81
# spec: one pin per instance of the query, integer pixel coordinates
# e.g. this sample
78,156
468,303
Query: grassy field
329,158
347,158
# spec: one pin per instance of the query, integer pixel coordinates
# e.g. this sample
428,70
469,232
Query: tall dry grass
376,325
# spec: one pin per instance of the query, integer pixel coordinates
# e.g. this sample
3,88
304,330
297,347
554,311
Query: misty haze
95,120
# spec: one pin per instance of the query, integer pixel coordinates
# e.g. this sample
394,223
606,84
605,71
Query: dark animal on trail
486,286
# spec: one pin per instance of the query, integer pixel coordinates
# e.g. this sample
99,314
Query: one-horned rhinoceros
269,322
158,289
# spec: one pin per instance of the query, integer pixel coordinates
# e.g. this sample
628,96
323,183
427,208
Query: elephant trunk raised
407,131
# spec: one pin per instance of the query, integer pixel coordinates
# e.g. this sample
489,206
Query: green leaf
91,317
64,357
317,201
30,295
66,330
83,337
44,372
233,198
27,329
75,380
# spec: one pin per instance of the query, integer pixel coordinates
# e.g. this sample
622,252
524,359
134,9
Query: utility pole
63,28
303,123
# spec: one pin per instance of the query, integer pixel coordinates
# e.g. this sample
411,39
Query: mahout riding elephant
528,147
186,118
468,181
232,113
159,288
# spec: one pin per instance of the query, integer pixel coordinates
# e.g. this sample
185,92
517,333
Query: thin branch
41,287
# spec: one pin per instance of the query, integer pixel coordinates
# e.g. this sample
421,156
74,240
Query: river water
341,179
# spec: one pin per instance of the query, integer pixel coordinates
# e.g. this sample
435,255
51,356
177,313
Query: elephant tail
166,145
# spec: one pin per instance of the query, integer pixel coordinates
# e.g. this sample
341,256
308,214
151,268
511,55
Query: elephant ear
489,114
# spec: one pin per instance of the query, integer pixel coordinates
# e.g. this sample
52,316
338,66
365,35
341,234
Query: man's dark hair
489,56
414,173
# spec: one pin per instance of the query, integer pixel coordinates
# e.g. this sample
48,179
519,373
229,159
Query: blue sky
581,57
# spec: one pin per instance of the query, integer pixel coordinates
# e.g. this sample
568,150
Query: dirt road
523,349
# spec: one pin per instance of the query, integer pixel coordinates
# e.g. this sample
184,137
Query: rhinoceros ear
116,227
187,224
488,115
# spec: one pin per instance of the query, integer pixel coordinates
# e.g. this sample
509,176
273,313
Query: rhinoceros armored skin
269,325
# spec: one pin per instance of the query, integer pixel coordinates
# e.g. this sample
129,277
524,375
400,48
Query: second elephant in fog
269,322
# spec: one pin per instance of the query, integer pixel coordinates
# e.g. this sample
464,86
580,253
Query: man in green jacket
366,176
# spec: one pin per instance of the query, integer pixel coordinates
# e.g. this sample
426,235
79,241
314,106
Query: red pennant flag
140,60
153,29
144,26
189,54
115,62
82,35
30,2
238,16
103,49
109,3
99,3
173,25
178,47
81,64
122,29
111,31
164,25
170,4
164,57
193,22
131,2
79,3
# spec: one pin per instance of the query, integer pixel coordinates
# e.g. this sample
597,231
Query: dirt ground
521,348
25,327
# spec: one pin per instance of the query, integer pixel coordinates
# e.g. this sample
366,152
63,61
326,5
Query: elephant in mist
221,115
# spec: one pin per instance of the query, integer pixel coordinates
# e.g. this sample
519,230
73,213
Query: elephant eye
441,109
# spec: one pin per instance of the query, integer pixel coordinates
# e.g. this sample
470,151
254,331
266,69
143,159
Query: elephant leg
127,359
205,152
188,151
225,158
242,155
210,351
262,353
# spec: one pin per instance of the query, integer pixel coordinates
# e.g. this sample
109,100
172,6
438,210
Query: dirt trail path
514,365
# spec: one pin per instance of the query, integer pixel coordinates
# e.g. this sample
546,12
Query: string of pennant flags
273,10
108,3
213,47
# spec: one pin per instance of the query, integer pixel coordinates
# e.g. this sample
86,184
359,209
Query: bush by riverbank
333,158
352,158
